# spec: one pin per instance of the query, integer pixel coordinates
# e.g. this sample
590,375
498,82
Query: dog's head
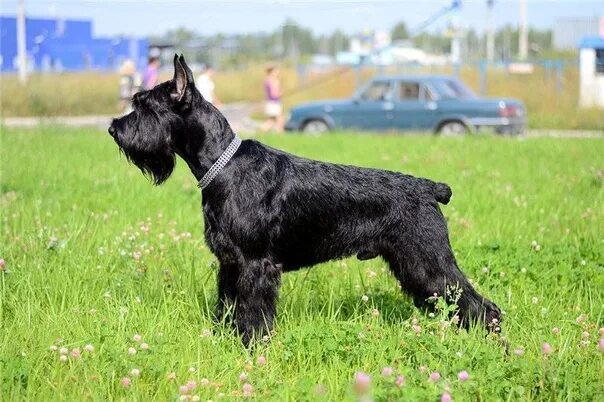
151,135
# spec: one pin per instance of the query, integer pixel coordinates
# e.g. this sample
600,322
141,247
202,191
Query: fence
549,69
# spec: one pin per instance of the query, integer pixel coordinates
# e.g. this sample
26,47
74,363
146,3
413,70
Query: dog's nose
111,130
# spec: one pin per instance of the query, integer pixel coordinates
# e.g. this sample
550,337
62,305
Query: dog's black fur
269,212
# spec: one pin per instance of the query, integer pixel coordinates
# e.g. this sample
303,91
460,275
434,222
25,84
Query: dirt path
239,117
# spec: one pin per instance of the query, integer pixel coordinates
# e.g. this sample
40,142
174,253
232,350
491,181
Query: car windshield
453,89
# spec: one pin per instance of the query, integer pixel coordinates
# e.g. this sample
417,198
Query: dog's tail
442,193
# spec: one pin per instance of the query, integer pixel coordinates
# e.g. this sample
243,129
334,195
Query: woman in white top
206,86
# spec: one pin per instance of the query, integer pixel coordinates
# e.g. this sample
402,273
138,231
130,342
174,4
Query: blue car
440,104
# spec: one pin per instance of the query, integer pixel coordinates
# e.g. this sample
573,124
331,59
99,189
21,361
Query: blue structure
66,45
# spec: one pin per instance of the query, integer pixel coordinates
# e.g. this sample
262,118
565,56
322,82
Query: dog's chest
225,231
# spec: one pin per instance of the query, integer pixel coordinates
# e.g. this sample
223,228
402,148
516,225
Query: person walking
207,88
130,83
151,74
273,108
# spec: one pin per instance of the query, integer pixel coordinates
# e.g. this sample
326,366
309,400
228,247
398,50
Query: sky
154,17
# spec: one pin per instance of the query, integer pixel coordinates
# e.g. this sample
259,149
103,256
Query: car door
372,108
415,108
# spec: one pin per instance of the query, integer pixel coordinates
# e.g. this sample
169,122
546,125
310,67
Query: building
591,67
55,44
569,31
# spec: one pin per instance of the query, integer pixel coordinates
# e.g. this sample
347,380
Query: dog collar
220,163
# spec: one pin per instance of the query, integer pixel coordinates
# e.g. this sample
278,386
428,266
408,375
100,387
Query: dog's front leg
257,290
228,275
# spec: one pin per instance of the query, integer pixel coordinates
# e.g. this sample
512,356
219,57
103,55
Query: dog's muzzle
113,128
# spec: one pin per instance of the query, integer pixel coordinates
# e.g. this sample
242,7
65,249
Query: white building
591,66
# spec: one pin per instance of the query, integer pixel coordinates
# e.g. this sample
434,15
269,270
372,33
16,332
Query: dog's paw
492,318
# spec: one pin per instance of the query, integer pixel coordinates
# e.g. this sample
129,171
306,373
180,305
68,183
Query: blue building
66,45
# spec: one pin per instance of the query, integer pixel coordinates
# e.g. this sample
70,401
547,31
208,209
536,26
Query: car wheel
315,127
453,128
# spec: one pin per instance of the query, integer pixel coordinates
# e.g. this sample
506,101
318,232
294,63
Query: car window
377,91
409,91
599,61
427,94
453,89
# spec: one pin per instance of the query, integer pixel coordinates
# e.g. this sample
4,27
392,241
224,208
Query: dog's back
314,211
346,178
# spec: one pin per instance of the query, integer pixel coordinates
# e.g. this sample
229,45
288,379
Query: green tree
474,46
400,32
338,42
433,42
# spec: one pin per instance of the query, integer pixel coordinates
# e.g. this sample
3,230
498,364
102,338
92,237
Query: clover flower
362,382
248,390
463,376
126,382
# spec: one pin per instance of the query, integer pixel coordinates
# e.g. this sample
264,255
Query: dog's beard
146,141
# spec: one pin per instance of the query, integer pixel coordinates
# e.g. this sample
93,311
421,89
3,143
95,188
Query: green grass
74,213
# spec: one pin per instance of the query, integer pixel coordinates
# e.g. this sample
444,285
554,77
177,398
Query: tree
474,46
338,42
399,32
433,42
180,36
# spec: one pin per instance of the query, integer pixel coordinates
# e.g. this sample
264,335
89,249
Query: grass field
96,93
95,255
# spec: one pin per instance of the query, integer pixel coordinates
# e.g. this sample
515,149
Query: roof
592,42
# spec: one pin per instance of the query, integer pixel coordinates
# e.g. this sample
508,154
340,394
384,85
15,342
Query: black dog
267,212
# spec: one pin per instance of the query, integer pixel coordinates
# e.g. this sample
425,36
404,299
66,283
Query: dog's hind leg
425,265
423,277
257,290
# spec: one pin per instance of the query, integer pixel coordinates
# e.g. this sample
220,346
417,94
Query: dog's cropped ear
183,79
187,69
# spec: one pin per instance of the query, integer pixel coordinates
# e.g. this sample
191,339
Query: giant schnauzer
267,212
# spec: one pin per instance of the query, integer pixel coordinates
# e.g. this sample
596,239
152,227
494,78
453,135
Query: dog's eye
139,98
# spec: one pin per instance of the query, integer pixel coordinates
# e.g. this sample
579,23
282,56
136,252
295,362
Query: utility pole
490,51
456,33
523,31
21,51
